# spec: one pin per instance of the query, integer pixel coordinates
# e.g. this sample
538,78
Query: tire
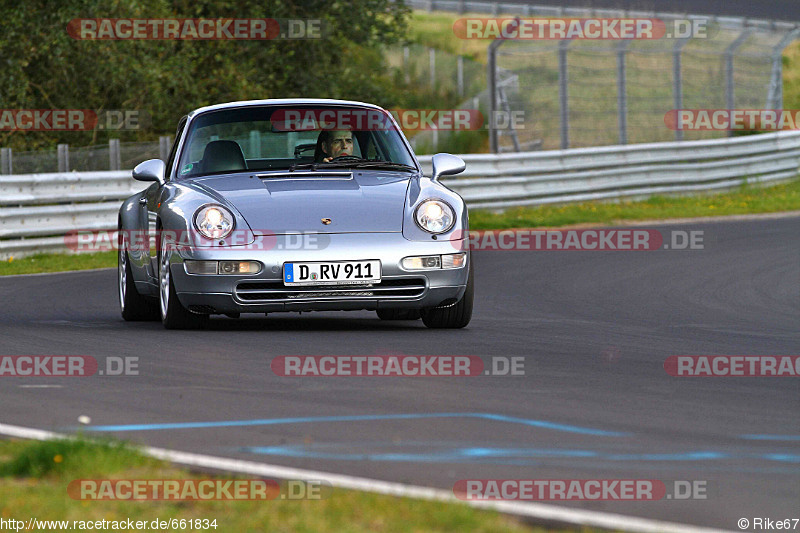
456,315
133,306
173,314
399,314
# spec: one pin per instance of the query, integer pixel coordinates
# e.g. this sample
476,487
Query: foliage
45,68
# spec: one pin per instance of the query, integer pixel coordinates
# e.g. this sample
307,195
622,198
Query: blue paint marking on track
690,456
450,455
360,418
771,437
499,455
784,457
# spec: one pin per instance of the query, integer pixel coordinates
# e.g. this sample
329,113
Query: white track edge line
539,511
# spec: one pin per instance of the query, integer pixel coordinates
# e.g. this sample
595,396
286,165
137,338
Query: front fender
130,225
177,206
421,189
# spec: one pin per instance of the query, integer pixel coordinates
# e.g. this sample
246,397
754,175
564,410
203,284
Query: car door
151,203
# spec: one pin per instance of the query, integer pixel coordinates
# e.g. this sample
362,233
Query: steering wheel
346,158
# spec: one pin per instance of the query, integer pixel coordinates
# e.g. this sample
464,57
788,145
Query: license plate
332,273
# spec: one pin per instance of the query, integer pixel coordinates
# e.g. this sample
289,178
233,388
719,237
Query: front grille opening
202,309
252,291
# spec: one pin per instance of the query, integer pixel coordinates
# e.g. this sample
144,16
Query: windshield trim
195,115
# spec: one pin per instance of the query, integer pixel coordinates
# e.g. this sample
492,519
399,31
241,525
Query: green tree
45,68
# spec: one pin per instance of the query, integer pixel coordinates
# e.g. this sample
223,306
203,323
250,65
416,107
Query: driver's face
340,143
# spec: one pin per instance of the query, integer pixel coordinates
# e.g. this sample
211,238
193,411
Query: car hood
291,202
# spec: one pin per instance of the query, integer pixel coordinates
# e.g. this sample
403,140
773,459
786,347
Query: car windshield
265,138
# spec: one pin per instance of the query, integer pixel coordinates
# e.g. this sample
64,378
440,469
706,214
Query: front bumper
266,293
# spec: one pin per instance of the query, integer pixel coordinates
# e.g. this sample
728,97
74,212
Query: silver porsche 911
294,205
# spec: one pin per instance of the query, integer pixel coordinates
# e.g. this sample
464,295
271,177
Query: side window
173,151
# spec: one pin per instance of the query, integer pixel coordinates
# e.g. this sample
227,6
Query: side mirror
446,165
150,170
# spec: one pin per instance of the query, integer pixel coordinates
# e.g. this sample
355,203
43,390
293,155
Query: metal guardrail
37,210
519,179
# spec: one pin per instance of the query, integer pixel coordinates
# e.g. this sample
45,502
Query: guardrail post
730,95
622,91
775,94
6,166
114,157
63,158
164,146
677,81
460,74
406,67
432,66
507,110
255,144
491,75
563,91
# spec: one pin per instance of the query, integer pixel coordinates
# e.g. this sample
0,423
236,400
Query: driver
336,143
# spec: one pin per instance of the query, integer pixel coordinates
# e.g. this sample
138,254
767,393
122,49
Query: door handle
142,201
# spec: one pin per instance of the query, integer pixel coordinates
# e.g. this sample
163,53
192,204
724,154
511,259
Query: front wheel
456,315
173,314
133,306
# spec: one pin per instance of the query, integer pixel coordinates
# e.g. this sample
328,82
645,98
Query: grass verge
34,477
745,200
39,263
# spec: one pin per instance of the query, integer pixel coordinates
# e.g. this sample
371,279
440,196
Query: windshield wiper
384,164
354,162
343,161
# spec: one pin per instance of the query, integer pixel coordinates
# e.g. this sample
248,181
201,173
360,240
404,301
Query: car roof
283,101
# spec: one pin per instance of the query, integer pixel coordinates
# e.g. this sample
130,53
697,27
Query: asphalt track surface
594,329
788,10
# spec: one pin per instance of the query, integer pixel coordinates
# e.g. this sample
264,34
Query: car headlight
214,222
434,216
